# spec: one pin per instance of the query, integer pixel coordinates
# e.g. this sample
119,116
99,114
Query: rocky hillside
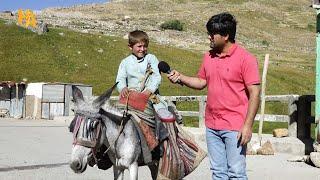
288,25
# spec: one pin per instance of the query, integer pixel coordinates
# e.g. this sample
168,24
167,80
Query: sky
12,5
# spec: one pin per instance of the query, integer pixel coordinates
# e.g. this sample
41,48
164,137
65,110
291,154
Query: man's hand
192,82
124,92
174,76
244,135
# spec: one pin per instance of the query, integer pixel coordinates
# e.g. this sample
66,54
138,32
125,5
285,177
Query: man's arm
192,82
245,133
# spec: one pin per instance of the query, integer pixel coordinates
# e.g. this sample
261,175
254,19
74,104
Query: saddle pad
165,115
136,100
181,154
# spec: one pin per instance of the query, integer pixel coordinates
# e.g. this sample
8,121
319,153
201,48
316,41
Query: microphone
165,68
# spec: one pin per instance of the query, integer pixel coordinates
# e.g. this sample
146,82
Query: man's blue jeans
227,157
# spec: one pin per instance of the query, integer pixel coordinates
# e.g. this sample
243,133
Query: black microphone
165,68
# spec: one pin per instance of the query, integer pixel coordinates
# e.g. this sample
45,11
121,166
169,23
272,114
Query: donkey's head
88,129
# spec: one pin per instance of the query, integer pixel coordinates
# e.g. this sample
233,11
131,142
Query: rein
120,129
92,142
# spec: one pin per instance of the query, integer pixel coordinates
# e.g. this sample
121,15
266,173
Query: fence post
293,114
304,112
202,108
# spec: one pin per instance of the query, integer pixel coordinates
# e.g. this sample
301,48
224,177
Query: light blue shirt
131,73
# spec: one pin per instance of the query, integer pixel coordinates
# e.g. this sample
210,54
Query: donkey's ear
76,94
101,100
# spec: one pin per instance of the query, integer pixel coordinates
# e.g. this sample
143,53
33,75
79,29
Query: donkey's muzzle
77,166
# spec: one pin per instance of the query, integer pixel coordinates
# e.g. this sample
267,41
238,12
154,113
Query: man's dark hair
223,24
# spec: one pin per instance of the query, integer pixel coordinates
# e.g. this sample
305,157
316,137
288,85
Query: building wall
56,99
12,101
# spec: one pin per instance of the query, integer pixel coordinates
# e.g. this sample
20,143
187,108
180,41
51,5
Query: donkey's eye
91,125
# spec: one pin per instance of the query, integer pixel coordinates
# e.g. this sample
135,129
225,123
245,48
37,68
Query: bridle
93,125
91,130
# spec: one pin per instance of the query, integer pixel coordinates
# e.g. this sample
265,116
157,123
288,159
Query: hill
285,30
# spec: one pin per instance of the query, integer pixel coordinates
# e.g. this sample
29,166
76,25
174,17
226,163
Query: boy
133,68
139,72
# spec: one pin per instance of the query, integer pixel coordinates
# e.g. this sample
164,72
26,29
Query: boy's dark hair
138,36
223,24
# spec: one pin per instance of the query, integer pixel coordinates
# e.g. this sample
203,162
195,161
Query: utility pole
315,156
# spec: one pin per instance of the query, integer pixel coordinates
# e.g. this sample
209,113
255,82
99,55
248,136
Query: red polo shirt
227,79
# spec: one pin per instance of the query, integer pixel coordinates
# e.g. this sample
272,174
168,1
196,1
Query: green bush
172,24
265,43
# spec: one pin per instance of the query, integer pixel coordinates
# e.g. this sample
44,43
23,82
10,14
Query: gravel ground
38,149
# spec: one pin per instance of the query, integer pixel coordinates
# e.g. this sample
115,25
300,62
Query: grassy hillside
284,29
66,56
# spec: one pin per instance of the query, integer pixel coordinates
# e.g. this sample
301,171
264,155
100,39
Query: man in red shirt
231,75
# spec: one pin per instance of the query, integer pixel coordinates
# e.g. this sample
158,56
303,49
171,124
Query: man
231,75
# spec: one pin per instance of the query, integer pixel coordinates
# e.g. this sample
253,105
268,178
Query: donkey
96,126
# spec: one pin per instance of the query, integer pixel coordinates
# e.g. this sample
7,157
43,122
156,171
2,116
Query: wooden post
304,113
263,93
293,114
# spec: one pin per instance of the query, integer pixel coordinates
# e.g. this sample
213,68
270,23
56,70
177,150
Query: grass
269,126
74,58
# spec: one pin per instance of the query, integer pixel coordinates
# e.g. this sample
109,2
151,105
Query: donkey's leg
154,170
118,172
133,170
